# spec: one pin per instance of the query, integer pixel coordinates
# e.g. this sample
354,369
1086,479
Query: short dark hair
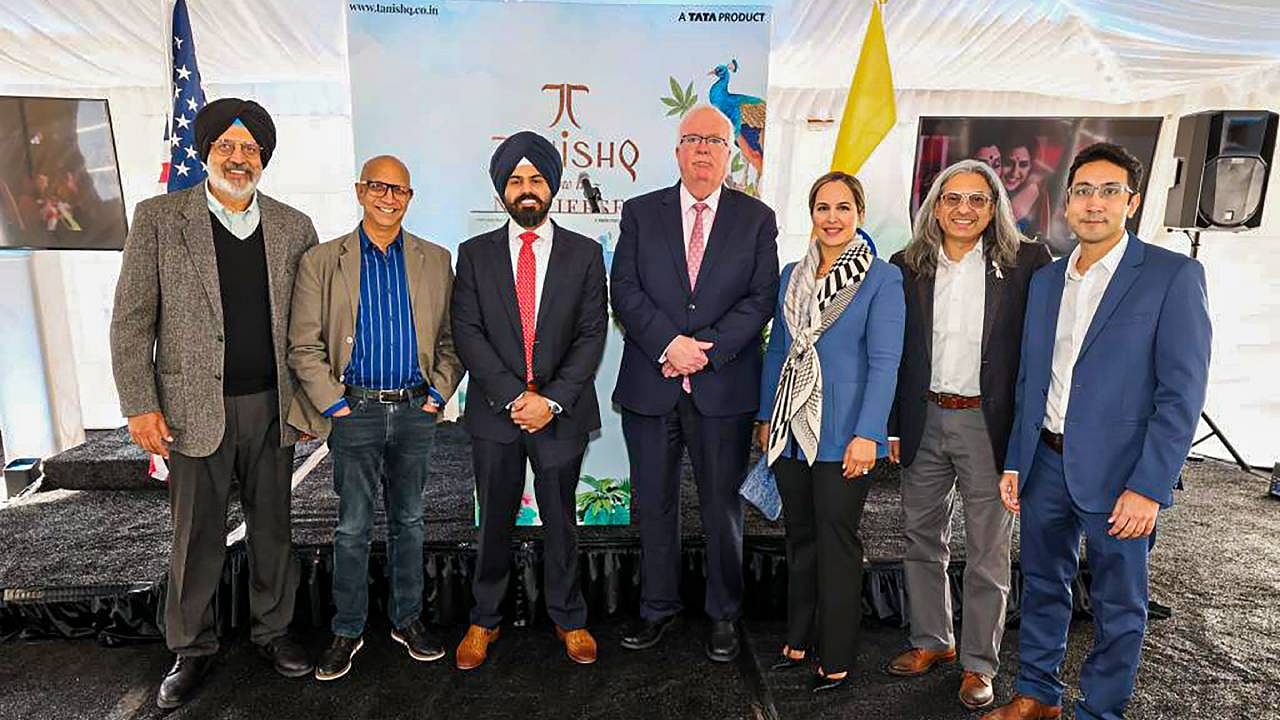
855,187
1112,153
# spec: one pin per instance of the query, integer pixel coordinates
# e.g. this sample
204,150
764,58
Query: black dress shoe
182,680
644,634
336,660
288,656
414,638
723,645
822,683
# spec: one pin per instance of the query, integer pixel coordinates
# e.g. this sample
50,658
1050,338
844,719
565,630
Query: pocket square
760,488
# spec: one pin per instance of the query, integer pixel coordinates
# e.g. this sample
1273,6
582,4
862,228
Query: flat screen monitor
1032,155
59,179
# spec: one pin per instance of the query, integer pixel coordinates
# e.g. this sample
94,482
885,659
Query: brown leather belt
955,402
1052,439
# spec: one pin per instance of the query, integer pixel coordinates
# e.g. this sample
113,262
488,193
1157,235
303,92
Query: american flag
184,168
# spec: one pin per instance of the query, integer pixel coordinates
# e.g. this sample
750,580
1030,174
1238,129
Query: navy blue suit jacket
859,355
649,288
1139,381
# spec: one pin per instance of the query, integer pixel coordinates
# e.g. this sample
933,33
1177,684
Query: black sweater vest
249,358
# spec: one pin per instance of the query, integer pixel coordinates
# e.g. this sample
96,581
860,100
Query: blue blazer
649,287
1139,380
859,354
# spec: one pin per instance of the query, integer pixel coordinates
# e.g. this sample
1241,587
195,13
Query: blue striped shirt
385,354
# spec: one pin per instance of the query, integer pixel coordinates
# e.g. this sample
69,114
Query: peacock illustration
746,113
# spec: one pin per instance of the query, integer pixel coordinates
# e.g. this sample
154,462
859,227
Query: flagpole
166,25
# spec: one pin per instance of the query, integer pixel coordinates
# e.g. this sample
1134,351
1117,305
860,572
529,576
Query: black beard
528,217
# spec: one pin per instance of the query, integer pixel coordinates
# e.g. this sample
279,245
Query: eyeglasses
377,188
714,141
976,200
227,148
1107,191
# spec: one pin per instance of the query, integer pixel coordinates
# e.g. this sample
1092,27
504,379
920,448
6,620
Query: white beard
220,182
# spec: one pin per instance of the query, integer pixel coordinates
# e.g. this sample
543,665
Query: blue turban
525,145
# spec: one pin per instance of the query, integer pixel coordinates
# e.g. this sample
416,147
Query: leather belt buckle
955,402
390,397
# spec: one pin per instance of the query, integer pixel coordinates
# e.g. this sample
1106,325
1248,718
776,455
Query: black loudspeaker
1223,160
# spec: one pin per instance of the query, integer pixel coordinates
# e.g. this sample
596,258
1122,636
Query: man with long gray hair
965,274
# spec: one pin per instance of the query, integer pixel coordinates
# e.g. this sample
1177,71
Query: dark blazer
737,286
859,355
1006,300
1139,381
572,318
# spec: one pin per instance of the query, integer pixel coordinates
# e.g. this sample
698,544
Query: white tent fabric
978,57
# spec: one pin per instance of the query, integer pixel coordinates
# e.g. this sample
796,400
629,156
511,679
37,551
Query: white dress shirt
541,255
687,218
688,215
959,303
1080,297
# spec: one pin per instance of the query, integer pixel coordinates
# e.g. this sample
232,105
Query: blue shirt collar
366,245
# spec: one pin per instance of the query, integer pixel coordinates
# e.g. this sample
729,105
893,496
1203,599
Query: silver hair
728,124
218,179
1000,238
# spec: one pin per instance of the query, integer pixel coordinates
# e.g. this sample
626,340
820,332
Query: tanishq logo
582,153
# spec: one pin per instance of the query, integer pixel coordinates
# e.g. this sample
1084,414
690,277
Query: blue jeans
387,445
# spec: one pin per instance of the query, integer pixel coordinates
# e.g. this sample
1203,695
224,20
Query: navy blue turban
217,116
525,145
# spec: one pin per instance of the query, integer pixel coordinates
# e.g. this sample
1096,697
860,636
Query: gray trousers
955,452
199,489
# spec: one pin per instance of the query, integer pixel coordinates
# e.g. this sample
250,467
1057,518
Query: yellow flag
869,112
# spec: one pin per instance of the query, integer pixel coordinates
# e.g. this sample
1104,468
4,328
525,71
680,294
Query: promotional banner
441,85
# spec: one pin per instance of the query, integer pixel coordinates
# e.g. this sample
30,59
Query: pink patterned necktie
697,247
526,286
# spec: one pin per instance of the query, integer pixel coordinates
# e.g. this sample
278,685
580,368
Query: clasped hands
531,412
685,356
859,454
1134,515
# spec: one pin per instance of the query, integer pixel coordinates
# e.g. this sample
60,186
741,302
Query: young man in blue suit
694,279
1115,360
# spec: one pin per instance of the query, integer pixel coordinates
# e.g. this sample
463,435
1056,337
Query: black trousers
500,476
718,448
199,490
821,512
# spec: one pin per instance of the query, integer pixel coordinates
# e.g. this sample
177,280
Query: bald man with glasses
371,344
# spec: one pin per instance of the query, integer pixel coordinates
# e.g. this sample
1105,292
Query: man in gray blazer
198,347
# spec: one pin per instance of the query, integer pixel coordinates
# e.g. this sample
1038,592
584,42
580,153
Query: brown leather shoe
975,690
578,644
918,661
474,648
1025,708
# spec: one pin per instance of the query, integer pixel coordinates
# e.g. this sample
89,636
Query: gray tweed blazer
166,328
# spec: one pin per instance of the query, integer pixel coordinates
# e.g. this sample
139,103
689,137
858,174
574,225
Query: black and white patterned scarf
809,308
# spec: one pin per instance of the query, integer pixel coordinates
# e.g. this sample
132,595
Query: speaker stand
1214,430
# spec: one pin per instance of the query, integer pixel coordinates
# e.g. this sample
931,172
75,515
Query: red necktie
526,289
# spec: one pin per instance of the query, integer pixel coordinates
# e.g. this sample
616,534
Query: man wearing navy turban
198,346
532,396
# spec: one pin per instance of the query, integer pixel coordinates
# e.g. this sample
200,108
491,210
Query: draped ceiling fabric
977,57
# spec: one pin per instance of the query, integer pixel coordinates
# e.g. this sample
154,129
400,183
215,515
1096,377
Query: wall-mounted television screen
1032,156
59,180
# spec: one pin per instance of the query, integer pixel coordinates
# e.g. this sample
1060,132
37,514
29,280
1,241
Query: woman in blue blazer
825,394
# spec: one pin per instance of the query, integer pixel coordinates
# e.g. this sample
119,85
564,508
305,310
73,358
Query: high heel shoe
786,662
823,683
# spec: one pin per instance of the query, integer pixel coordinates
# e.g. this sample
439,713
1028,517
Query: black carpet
527,676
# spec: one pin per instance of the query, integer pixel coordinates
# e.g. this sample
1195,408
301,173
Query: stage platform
88,553
1217,563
